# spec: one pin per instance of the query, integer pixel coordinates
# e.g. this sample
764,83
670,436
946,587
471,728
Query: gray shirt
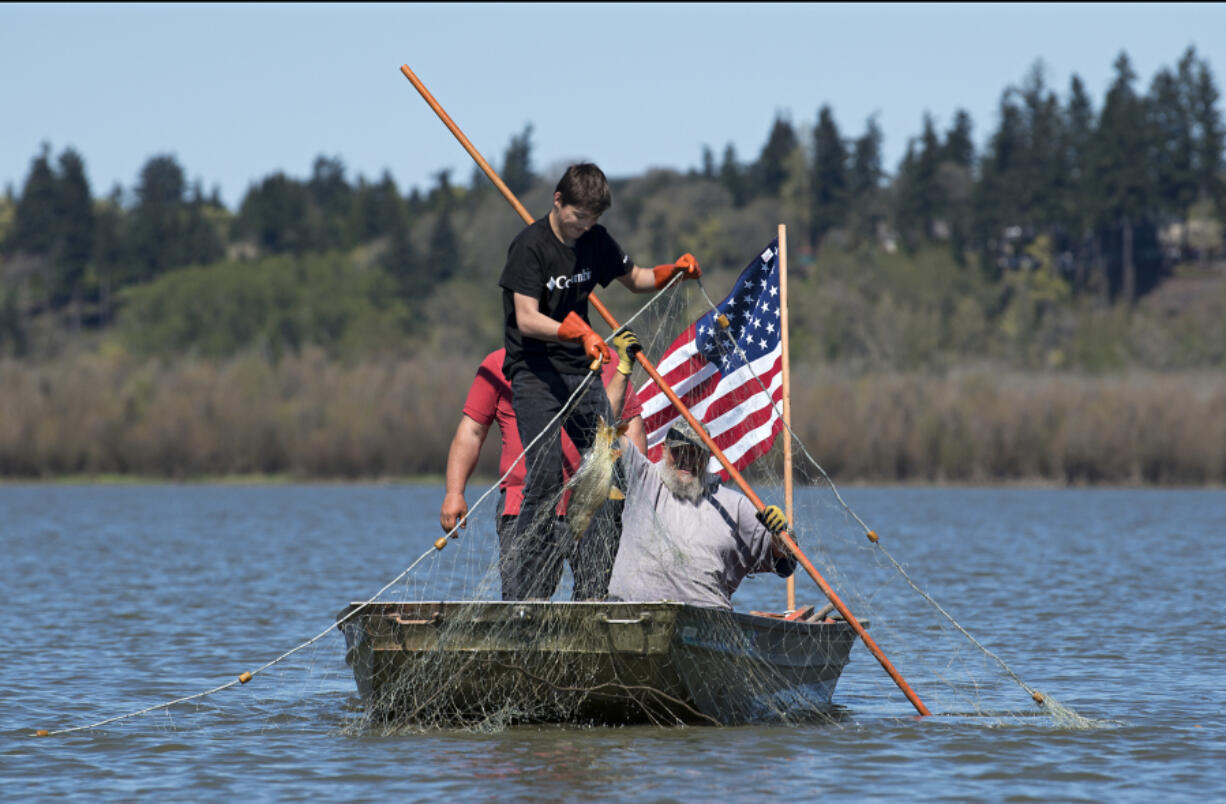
692,552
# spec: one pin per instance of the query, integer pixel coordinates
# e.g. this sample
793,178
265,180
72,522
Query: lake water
120,598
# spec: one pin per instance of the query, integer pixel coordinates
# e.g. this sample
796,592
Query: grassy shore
111,418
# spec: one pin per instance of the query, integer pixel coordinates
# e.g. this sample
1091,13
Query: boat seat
802,613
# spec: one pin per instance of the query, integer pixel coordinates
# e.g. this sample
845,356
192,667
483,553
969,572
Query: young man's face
572,221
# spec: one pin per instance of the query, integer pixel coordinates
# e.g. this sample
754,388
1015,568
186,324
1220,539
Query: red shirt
489,400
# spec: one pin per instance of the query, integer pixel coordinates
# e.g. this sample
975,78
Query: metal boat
458,663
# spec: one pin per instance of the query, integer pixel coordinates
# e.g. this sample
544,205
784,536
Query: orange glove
685,265
573,328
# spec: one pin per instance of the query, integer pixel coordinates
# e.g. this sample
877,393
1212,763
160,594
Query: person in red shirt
488,403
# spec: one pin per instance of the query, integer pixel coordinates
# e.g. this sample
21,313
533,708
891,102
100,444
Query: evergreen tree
1024,176
866,170
106,259
332,199
517,163
442,197
1078,201
1209,137
864,182
276,215
920,202
202,243
708,162
956,178
1042,174
414,203
155,244
732,177
74,229
34,226
1171,151
830,180
959,148
444,258
1121,176
996,211
771,169
380,209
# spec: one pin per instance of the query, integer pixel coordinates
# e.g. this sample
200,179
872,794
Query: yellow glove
772,517
627,345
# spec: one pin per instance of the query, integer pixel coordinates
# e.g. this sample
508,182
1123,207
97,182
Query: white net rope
438,647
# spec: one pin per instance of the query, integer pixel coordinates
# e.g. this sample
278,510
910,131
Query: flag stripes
720,373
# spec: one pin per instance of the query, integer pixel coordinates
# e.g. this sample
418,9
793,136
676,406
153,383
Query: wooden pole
682,409
787,396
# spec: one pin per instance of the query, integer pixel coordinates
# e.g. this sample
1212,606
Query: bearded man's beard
686,486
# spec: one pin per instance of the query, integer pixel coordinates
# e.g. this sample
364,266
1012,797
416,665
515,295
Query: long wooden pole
787,395
682,409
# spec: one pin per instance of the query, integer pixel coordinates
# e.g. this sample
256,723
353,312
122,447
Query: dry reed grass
977,427
308,417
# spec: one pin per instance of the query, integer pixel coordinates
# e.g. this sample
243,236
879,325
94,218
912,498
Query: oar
786,538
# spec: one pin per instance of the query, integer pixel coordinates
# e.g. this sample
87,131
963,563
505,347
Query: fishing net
439,647
442,649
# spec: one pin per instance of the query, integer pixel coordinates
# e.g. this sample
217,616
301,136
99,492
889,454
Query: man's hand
455,508
627,345
685,265
575,329
772,517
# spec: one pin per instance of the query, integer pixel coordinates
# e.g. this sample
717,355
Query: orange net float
244,678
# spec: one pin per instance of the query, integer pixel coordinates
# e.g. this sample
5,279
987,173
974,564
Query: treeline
1071,202
65,252
1117,193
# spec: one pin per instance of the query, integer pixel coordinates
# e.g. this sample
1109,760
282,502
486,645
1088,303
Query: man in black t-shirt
552,267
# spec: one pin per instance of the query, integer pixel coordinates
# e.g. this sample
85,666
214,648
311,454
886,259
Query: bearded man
685,536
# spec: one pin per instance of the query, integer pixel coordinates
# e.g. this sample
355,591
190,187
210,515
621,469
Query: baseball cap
682,435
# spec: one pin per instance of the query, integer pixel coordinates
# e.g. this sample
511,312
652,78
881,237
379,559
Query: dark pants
533,553
591,560
551,573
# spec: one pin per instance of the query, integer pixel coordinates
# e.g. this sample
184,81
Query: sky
236,92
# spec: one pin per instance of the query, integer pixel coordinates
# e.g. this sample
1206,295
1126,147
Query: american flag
719,373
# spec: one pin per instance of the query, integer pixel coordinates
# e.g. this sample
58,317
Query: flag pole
787,396
784,537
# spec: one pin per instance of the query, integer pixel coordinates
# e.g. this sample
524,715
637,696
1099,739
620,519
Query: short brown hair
584,185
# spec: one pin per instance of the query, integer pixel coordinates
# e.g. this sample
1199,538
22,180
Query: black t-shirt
561,277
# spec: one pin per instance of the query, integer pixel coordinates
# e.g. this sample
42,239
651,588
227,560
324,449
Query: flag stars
731,350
